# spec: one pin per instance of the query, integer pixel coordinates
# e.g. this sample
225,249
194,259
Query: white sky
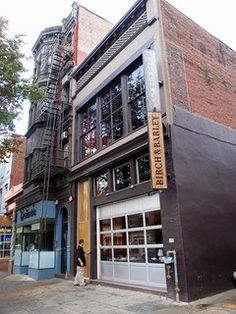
30,17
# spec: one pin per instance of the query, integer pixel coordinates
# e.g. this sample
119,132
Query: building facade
175,235
43,213
11,173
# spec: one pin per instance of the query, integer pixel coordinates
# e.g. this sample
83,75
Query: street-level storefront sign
157,151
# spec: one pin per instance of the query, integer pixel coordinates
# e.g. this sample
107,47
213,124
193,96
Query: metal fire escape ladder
50,111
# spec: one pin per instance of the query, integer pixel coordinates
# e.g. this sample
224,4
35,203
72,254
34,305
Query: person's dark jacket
80,254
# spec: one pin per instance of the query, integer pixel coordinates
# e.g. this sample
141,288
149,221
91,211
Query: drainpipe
173,252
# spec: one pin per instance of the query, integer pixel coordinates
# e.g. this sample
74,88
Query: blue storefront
35,243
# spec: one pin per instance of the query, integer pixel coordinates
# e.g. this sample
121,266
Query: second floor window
88,126
111,115
136,98
118,109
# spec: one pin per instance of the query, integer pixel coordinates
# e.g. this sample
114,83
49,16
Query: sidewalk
19,294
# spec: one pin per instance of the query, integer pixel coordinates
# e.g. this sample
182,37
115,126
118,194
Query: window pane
119,223
119,238
135,221
48,238
105,225
102,184
89,118
154,236
137,255
136,83
116,90
92,115
136,237
116,103
153,218
106,131
105,239
89,143
143,168
120,255
122,177
117,131
153,255
105,107
106,254
138,113
117,117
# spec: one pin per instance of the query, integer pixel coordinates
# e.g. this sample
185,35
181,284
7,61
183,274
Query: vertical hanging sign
155,130
157,151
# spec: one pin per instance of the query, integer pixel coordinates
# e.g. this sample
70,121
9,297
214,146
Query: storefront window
122,177
106,239
135,221
105,224
153,218
119,223
137,255
154,236
102,184
136,237
120,255
30,239
119,238
143,168
47,238
106,254
153,255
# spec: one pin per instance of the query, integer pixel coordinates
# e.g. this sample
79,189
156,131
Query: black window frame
125,109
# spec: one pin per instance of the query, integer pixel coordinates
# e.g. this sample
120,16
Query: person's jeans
79,278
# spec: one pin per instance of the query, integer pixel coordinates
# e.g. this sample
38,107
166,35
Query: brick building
43,211
12,174
153,215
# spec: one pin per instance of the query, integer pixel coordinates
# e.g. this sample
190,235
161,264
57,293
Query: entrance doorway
64,240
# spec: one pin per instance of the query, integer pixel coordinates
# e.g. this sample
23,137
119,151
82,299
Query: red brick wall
91,30
202,69
17,170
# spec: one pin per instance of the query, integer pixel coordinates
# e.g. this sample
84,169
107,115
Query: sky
30,17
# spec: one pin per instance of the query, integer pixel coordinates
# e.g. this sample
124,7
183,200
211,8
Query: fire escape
48,161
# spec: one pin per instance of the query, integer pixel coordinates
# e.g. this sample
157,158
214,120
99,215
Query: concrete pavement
19,294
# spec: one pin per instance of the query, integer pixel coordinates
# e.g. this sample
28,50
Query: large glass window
136,97
108,122
111,115
134,238
89,134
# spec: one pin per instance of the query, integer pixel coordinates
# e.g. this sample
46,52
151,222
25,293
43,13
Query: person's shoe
76,285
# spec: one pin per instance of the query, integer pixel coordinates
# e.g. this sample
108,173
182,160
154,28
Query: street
19,294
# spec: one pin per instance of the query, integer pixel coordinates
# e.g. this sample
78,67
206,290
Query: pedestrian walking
81,263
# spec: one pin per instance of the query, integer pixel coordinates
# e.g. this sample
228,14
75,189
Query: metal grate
121,42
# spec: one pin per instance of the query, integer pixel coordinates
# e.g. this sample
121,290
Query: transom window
118,178
122,177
